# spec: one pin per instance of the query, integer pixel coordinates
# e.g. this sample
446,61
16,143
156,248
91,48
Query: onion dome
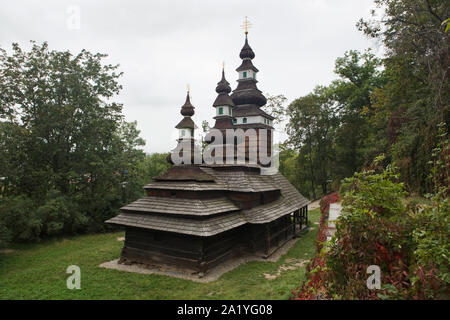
223,89
246,51
223,86
187,109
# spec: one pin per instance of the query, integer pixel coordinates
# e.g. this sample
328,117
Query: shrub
60,214
5,236
410,244
18,215
315,287
432,251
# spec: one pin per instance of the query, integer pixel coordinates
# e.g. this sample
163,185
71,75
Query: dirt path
290,264
314,205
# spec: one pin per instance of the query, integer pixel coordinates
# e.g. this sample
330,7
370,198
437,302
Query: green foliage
329,127
433,246
275,107
374,192
311,126
68,160
446,23
19,217
409,243
359,75
440,159
155,165
415,96
392,105
5,236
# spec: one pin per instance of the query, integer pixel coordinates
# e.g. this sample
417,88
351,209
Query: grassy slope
38,271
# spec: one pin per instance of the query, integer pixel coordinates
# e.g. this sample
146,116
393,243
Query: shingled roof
239,181
199,227
206,217
289,201
180,206
186,123
250,110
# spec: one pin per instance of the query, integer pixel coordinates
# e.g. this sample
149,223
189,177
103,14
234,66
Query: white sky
163,45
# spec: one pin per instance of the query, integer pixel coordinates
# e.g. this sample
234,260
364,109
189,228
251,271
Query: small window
229,111
244,74
220,110
192,132
244,120
182,133
234,121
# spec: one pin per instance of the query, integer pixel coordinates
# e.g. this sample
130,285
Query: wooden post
306,215
201,259
293,225
301,218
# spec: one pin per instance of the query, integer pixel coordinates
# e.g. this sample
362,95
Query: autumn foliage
407,241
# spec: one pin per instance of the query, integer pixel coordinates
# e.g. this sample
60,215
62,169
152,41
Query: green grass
38,271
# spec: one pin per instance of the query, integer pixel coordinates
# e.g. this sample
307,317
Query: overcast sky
163,45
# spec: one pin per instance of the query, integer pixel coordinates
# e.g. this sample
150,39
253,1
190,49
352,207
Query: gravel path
314,205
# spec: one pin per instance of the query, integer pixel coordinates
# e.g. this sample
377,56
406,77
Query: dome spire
223,86
186,151
247,93
246,51
187,109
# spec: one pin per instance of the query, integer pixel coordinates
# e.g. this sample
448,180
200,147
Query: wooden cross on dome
246,25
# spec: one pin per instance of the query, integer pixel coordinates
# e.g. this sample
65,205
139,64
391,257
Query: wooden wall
199,254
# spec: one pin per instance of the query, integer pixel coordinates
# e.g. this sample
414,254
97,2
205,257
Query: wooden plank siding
195,224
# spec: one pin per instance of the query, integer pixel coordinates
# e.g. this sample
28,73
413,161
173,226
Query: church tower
248,100
186,151
186,126
223,104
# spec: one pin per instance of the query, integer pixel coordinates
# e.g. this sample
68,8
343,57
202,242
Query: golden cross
188,88
246,25
223,65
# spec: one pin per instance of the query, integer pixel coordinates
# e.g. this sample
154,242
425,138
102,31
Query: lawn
38,271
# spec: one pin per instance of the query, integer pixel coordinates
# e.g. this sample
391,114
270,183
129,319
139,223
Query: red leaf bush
410,245
314,287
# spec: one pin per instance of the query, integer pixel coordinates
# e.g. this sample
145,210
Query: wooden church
198,215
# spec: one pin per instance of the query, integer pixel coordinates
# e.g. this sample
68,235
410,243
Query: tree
275,106
415,98
155,165
311,126
359,76
64,147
